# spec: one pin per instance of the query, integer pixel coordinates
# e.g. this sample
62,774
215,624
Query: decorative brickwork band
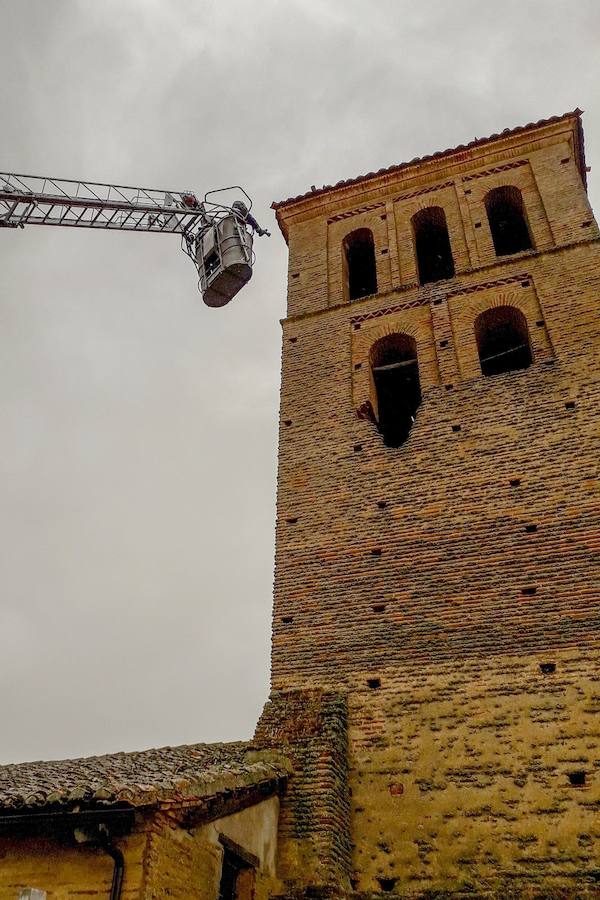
504,168
355,212
486,285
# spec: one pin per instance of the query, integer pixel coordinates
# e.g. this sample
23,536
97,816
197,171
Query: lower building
193,821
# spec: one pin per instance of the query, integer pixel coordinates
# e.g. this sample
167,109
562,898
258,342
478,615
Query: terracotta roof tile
146,778
477,142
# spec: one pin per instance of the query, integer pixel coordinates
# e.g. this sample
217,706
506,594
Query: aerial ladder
217,237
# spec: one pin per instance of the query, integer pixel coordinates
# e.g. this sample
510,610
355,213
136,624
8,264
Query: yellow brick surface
64,869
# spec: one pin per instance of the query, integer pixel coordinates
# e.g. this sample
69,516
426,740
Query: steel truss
35,200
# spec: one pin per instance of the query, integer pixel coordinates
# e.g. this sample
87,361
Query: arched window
502,340
432,245
359,259
396,377
506,215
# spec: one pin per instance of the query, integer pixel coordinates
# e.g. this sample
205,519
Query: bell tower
438,513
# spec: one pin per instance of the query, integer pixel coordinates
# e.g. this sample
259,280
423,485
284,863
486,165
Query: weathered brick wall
310,727
470,549
437,530
460,775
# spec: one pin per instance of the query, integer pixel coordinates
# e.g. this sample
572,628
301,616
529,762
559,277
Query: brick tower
438,518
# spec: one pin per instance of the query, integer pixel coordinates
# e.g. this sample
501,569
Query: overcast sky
138,451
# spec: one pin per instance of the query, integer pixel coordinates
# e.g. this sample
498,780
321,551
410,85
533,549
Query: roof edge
72,785
280,205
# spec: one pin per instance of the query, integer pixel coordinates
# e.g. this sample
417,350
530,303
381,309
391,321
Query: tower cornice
452,162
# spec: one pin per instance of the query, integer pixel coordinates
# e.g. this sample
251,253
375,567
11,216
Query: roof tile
477,142
146,778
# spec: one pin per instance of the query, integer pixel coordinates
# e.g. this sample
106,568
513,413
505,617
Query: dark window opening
432,245
548,668
502,340
237,877
396,377
387,884
506,215
359,257
577,778
374,683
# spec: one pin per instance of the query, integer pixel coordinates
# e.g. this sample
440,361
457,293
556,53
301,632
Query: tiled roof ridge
461,148
119,754
179,774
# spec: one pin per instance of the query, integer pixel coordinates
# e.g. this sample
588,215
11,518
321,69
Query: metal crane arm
216,237
34,200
